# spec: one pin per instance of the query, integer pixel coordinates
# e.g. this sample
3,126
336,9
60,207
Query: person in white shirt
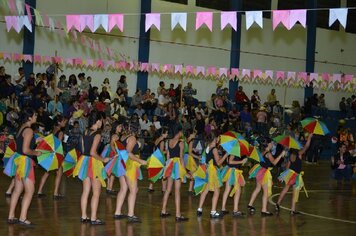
200,109
145,123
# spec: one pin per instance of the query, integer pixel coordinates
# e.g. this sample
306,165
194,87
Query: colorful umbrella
52,153
121,151
200,179
314,126
69,161
255,154
155,165
9,151
234,144
288,141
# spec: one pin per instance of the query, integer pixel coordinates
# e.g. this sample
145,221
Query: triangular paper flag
116,20
24,21
20,7
87,21
254,16
228,17
178,69
101,20
153,19
297,15
280,16
28,12
338,14
38,17
179,18
73,21
204,18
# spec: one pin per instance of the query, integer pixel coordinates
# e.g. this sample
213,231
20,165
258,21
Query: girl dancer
263,176
24,168
116,129
213,161
59,124
189,157
160,143
293,176
175,172
90,169
133,173
233,177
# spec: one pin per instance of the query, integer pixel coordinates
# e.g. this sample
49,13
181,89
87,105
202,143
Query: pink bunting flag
78,61
200,70
27,57
280,75
7,56
37,58
12,6
90,62
12,22
325,77
347,79
116,20
58,59
167,68
303,76
257,73
28,12
86,21
69,61
189,70
17,57
313,77
212,70
228,17
280,16
73,21
153,19
297,15
268,74
109,64
291,75
100,63
144,67
47,59
178,69
46,20
223,72
234,73
204,18
246,73
155,67
337,78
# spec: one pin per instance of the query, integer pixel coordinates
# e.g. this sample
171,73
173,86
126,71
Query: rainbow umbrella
121,151
200,179
155,165
52,153
9,152
70,161
234,144
288,141
255,154
314,126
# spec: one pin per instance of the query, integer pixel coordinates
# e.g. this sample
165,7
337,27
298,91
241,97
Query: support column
311,44
29,40
236,5
144,45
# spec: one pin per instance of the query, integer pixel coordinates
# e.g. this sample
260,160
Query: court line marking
314,215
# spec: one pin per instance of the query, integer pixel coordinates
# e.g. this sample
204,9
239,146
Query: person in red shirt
241,98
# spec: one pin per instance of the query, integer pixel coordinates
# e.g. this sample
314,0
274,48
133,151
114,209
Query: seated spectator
199,109
171,92
62,83
94,94
272,98
136,99
246,118
255,100
340,163
145,123
148,102
123,85
241,98
104,94
139,110
161,89
210,104
156,123
12,102
12,118
163,98
55,107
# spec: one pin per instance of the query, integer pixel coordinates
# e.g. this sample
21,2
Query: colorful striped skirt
20,166
263,176
234,177
174,169
90,167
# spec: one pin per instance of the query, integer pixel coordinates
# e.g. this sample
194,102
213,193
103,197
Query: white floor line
313,215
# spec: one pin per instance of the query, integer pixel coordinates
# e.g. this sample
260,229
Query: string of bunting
325,81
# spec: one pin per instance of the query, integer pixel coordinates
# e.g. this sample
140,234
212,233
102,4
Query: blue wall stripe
144,45
236,5
29,40
311,43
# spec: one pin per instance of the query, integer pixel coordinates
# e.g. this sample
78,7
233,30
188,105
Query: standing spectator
73,86
255,100
178,92
272,98
84,83
188,93
210,104
241,98
322,106
261,125
341,164
123,85
342,107
171,91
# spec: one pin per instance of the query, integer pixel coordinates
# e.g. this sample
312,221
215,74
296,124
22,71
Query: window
185,2
257,5
351,17
222,5
323,15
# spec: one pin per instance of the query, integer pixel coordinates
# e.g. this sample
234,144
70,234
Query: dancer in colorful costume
293,176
